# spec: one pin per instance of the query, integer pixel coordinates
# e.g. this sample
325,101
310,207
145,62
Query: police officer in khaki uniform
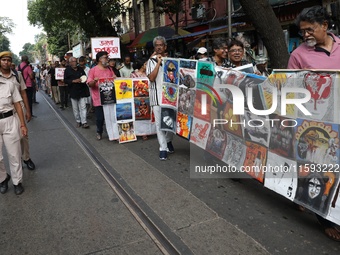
10,127
27,113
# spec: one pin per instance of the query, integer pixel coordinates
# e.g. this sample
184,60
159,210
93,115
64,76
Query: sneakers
18,189
163,155
170,148
29,163
4,184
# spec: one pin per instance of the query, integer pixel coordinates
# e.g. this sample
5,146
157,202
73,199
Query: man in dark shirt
54,83
75,78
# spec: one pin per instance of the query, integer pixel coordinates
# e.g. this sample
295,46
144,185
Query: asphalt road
259,213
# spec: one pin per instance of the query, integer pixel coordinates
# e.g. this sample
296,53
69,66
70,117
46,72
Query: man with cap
101,70
202,53
10,127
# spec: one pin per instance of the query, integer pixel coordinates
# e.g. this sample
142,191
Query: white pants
162,136
10,137
79,109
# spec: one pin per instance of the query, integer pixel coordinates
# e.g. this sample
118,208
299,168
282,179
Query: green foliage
4,43
62,19
28,50
6,25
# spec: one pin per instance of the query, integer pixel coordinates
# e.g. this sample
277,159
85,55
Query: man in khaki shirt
10,127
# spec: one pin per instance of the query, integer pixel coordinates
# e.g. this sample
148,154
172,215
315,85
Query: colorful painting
171,69
184,122
200,132
282,136
123,89
124,111
142,108
168,119
126,132
186,100
281,175
205,73
235,151
169,95
188,73
217,142
323,102
107,91
271,88
141,88
198,106
317,185
233,123
257,128
256,158
317,142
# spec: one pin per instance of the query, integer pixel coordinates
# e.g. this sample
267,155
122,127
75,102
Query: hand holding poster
59,73
109,44
106,91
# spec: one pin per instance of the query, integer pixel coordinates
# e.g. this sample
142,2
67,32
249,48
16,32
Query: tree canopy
61,19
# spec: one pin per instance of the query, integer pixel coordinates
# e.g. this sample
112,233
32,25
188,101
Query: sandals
145,137
333,233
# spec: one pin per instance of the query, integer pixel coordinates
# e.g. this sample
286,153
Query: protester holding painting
101,70
320,50
220,53
154,72
236,53
142,106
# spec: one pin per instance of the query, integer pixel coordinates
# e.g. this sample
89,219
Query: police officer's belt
5,114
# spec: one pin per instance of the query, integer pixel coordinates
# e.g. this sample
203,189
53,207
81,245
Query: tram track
161,235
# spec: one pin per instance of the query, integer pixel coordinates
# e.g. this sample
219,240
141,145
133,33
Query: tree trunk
265,22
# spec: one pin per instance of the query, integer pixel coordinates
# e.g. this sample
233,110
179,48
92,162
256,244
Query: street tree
28,50
268,26
40,48
64,17
171,8
4,43
6,25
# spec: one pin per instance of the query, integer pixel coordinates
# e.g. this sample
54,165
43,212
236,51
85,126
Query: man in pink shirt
101,70
28,75
320,50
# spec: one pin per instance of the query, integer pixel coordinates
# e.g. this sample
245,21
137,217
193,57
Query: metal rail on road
162,240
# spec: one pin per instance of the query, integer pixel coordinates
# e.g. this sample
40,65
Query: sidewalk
68,208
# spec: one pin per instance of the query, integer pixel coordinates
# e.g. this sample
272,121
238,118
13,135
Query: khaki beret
5,54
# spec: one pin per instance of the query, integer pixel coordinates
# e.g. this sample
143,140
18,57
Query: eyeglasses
309,31
236,50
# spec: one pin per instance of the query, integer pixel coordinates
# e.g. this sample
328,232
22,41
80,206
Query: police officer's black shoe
4,184
30,164
18,189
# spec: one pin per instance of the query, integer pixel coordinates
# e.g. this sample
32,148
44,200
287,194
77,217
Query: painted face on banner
314,188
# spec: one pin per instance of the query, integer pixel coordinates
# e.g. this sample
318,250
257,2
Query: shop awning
127,37
207,31
146,37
